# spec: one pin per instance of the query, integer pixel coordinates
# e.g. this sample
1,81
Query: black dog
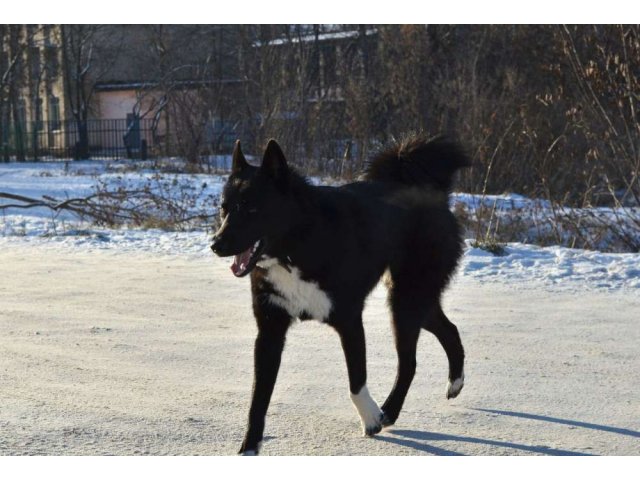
316,253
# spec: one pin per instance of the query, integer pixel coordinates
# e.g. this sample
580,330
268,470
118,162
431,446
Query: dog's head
254,211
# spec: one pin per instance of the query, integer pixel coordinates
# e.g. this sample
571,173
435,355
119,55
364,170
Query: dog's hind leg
353,343
448,336
406,321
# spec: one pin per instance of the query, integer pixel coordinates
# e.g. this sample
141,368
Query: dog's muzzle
218,246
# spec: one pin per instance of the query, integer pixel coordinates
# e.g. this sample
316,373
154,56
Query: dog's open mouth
244,262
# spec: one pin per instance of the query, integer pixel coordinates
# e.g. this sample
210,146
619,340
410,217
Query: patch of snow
508,201
555,266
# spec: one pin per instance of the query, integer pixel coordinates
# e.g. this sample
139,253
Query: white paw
368,410
453,388
252,453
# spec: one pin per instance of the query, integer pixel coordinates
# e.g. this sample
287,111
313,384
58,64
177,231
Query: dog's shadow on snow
572,423
423,441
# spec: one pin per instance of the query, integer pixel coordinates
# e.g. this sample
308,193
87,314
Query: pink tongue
240,262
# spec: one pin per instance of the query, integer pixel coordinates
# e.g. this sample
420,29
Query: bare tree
186,72
605,63
15,41
88,54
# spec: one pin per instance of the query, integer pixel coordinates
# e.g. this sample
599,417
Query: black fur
415,160
343,239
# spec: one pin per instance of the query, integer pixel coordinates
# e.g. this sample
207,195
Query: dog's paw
454,388
369,412
370,429
386,420
248,451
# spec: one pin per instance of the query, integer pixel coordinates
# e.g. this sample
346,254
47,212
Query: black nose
215,246
220,245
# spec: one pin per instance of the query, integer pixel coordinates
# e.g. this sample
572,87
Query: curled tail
417,161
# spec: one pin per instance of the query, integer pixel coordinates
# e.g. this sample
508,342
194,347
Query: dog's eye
245,206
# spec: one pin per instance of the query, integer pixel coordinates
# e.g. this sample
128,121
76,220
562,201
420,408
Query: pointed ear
239,163
273,163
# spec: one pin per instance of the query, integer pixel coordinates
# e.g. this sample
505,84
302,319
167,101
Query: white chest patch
296,296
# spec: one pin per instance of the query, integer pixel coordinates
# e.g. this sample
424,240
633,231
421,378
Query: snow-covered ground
131,353
553,266
131,341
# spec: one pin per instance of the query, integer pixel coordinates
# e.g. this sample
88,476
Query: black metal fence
136,138
104,139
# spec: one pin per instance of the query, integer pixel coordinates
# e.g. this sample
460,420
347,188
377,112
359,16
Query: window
51,61
34,60
329,66
54,113
21,113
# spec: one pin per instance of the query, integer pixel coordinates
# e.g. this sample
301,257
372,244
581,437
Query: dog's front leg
353,343
273,324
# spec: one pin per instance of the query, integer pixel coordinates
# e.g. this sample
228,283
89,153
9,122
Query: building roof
326,36
119,86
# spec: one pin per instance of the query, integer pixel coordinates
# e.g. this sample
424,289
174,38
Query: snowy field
131,341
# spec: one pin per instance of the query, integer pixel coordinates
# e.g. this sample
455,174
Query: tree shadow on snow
573,423
421,441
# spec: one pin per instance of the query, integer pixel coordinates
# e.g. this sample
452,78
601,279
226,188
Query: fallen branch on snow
135,207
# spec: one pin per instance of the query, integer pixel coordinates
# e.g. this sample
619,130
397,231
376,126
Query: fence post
20,153
5,143
143,149
34,140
